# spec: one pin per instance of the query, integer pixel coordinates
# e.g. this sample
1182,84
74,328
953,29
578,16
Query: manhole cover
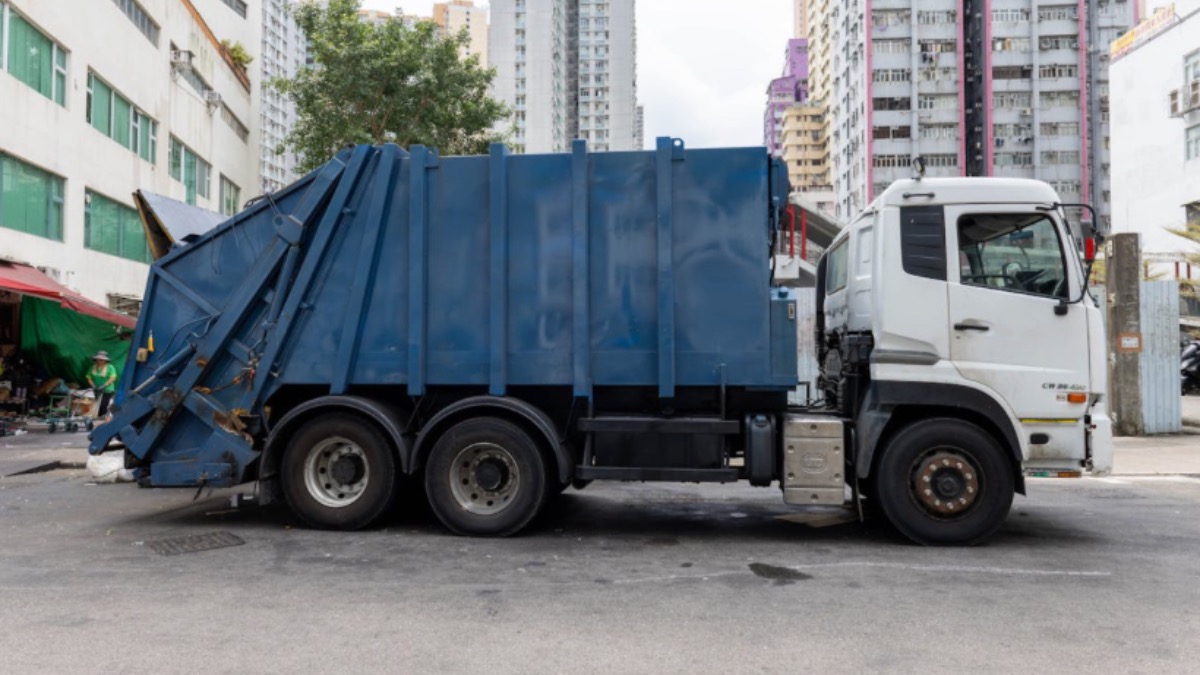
195,543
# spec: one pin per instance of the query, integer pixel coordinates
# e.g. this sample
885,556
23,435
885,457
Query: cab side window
1016,252
835,276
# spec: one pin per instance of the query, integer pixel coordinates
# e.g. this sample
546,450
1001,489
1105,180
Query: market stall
48,334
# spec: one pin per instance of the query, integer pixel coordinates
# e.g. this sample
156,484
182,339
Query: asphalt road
1093,575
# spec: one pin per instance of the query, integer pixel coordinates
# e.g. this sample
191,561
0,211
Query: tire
52,427
486,477
966,483
339,473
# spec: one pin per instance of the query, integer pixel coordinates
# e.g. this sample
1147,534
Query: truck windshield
1018,252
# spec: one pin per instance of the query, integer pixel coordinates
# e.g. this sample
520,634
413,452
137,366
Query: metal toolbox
813,460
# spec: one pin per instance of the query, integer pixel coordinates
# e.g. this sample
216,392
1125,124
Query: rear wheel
485,477
944,481
339,472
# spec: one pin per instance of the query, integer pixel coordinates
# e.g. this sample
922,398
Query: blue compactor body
539,320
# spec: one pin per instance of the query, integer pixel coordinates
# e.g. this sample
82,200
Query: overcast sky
703,65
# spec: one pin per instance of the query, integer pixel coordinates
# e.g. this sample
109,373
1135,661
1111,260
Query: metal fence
1159,316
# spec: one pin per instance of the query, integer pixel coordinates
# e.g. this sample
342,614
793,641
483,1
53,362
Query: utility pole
1122,286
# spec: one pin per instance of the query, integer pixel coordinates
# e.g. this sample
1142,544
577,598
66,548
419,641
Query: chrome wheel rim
484,478
336,472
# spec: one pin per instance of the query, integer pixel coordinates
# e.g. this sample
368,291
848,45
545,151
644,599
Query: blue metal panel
417,262
1159,365
666,272
364,272
783,336
498,269
581,343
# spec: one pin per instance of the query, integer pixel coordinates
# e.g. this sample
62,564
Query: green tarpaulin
63,342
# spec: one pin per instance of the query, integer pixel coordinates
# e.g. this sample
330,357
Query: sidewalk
1149,455
1191,411
39,449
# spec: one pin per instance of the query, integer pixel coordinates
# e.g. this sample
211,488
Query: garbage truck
491,330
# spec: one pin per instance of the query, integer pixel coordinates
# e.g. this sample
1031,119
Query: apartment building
567,69
158,104
784,92
975,87
459,15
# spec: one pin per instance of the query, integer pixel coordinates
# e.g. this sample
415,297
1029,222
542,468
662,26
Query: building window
939,132
235,124
32,57
1014,159
1070,157
1058,13
891,46
1049,42
1192,143
113,228
237,6
1191,67
1012,72
231,196
114,116
140,18
31,200
892,75
1011,99
1060,128
1011,45
1059,70
1010,15
188,168
936,18
1057,99
941,160
937,102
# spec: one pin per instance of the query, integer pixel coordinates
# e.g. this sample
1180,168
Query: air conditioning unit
1173,98
1026,112
1045,44
1194,95
211,97
1074,44
181,59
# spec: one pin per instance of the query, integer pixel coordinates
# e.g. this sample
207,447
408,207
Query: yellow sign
1158,22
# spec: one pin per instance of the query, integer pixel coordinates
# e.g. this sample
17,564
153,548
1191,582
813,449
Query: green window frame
31,199
113,228
231,196
190,169
116,117
31,56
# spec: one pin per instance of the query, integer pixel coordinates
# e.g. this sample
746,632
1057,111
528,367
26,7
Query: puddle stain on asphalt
782,576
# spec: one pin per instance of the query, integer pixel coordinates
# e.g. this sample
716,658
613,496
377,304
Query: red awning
28,280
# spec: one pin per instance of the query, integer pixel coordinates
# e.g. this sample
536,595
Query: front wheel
944,482
486,477
339,473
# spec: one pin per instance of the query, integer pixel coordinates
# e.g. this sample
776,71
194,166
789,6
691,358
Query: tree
386,83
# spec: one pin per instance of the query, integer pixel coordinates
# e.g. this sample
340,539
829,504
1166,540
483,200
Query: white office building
1156,135
567,69
106,97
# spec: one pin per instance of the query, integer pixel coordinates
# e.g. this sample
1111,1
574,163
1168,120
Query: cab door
1009,328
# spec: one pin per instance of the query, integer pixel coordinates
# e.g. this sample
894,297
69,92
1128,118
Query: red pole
792,231
804,234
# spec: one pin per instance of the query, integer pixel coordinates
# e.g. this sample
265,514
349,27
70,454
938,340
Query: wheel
944,481
90,425
485,476
339,473
52,427
72,427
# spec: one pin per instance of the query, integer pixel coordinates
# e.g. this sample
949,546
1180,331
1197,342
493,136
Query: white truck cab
953,317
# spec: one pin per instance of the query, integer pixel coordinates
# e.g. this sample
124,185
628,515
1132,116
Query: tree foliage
386,83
